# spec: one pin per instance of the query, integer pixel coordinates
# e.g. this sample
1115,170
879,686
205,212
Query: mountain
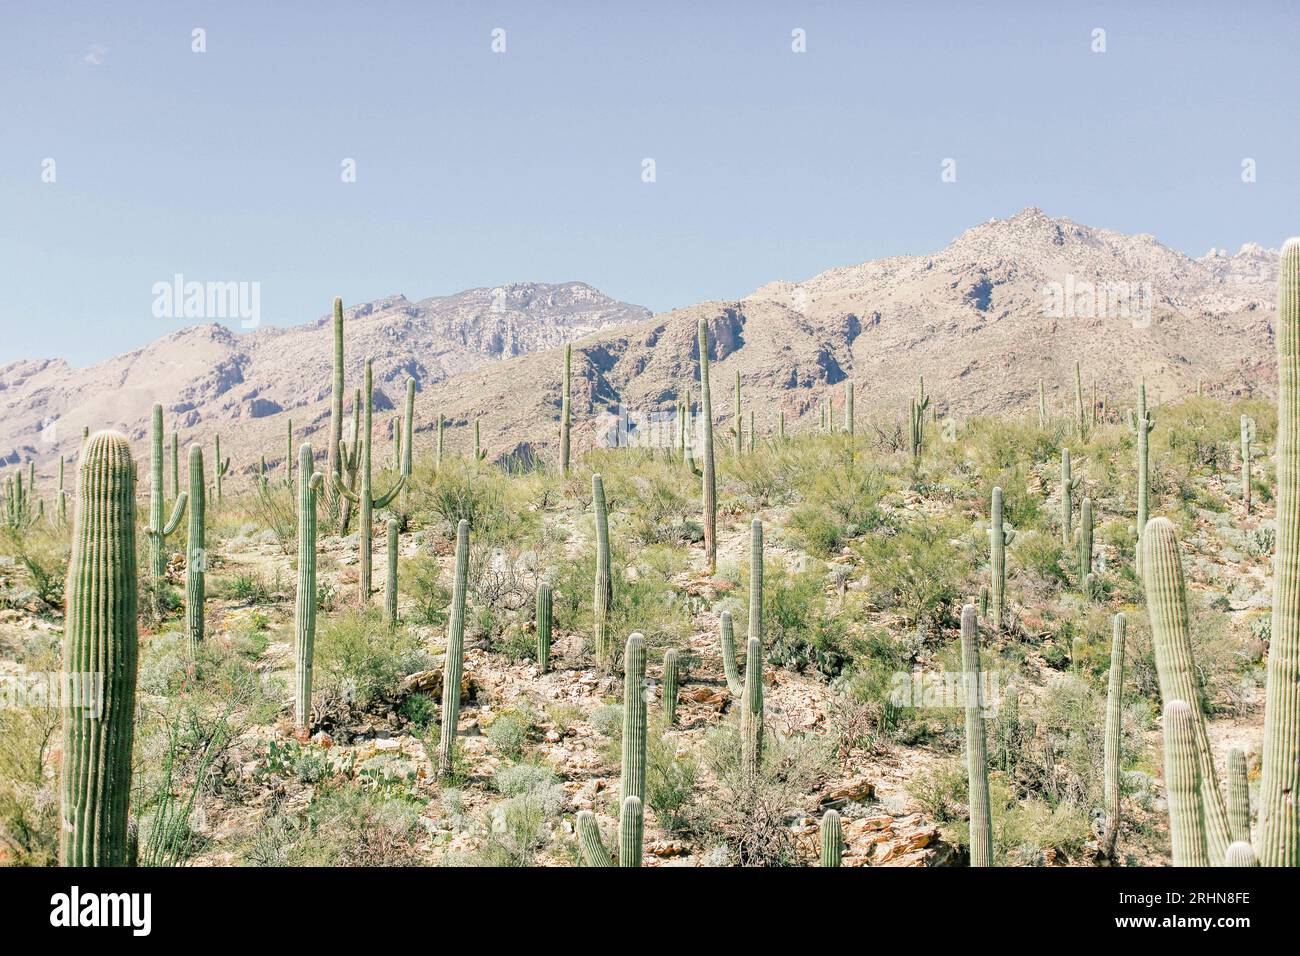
1005,305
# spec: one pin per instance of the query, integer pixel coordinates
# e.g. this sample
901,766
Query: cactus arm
631,824
832,839
593,848
345,491
317,481
728,640
385,500
177,513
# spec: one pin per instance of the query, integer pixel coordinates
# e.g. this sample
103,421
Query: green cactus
544,627
437,459
670,687
710,483
365,499
999,538
1069,485
310,483
157,530
1240,854
631,836
603,598
1141,425
1042,405
335,469
395,433
753,440
1247,439
848,408
756,580
977,771
1238,797
1279,813
100,651
1183,787
1166,599
219,468
566,411
1081,423
62,497
736,427
780,425
1111,741
589,841
408,445
634,719
176,466
196,555
454,662
751,711
832,838
479,453
729,669
1085,540
288,454
917,423
390,581
984,600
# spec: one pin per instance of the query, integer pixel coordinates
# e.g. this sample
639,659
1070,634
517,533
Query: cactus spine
1238,797
999,538
1111,743
1141,425
634,717
1279,813
158,530
1085,540
390,581
751,712
729,669
832,838
604,588
710,483
977,771
196,555
1247,439
566,410
1166,598
1069,484
453,663
365,499
670,687
543,627
1183,787
100,651
304,610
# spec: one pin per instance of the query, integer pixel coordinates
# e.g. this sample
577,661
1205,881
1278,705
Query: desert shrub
361,661
1042,555
421,710
800,630
29,799
344,825
431,596
840,500
510,730
873,683
607,720
669,781
920,571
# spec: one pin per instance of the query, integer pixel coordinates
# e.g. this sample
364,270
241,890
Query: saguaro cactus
1240,854
304,610
157,530
437,459
566,410
288,453
603,597
670,687
848,409
832,839
738,426
196,553
544,627
1247,440
1238,797
1069,484
1085,540
751,712
1081,423
710,483
100,650
729,669
1166,598
453,663
1279,813
916,427
634,714
589,841
999,538
756,580
390,581
334,468
176,465
219,467
1111,743
62,496
631,836
1141,425
1042,405
365,499
1183,787
977,771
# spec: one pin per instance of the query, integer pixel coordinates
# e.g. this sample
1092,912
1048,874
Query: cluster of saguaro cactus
19,511
454,661
100,651
1069,485
364,498
603,597
566,411
1111,741
196,554
710,482
999,537
304,612
1141,425
977,770
158,528
1247,452
544,603
832,838
670,687
220,468
916,423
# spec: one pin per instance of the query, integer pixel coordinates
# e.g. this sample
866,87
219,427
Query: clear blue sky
475,168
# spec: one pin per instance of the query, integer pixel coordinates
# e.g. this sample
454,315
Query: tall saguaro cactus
670,687
566,410
1111,743
832,839
158,529
848,408
1141,425
408,444
1042,405
756,580
1238,797
751,711
1080,422
1184,786
196,553
1085,540
1279,791
390,579
710,481
634,719
454,662
977,770
365,498
544,603
219,467
1247,451
100,651
1069,485
729,669
304,610
999,538
1166,598
334,467
603,596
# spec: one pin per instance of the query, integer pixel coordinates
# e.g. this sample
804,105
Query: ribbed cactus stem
196,555
304,611
780,425
1166,598
1141,425
288,453
408,442
453,663
1042,405
984,600
589,841
751,713
670,687
1279,791
100,650
1069,484
604,588
479,454
977,771
437,456
1085,539
1080,424
756,580
848,408
62,496
832,838
729,669
158,529
709,479
738,419
219,466
390,580
631,824
1238,797
1240,854
1183,786
1247,451
634,719
566,410
999,538
395,429
544,603
334,469
176,465
1114,726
